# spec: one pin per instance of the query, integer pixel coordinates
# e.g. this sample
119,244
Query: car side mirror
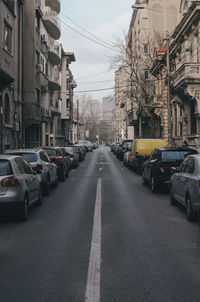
174,169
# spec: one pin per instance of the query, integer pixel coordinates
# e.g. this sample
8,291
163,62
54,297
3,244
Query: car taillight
59,160
11,181
163,165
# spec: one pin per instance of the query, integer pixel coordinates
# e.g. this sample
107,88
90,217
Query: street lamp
168,75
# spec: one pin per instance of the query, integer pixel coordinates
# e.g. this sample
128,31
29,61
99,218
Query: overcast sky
105,19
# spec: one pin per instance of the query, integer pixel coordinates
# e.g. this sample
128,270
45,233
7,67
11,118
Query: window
146,48
189,168
145,23
37,55
5,168
44,157
7,43
67,84
7,109
38,96
23,166
193,119
146,74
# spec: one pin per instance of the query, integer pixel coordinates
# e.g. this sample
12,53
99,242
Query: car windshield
69,150
176,155
51,152
76,148
30,157
5,168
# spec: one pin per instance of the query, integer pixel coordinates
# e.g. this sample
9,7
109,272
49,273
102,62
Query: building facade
67,86
41,72
11,44
184,58
150,21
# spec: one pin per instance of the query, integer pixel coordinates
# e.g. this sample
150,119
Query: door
29,178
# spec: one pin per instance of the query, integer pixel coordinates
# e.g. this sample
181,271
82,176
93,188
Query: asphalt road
147,249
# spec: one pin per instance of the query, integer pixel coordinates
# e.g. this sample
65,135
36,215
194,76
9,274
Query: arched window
7,109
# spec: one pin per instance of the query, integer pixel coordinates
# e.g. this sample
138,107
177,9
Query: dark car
74,158
79,151
157,169
67,157
56,156
122,149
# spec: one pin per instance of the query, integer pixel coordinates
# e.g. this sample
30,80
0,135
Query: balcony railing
54,52
54,4
188,73
52,22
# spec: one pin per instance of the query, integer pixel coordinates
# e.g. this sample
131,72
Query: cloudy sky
104,19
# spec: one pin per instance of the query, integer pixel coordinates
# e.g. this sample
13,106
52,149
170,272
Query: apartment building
184,59
67,86
150,21
41,72
11,37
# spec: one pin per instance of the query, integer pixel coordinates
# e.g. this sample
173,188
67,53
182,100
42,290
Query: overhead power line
85,30
84,36
92,75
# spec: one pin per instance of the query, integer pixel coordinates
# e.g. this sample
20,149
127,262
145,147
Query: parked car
157,169
57,157
140,152
74,158
127,154
122,149
87,144
67,156
185,185
20,187
80,150
116,147
39,160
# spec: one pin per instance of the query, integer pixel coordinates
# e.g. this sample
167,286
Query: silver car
20,187
39,160
185,185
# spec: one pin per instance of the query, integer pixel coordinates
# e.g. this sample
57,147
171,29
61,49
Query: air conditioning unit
16,126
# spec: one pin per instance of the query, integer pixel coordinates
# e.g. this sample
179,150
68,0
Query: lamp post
168,73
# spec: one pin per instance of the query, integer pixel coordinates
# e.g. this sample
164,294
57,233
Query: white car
39,160
20,187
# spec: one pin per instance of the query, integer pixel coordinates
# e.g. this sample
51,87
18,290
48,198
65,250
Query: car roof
23,151
9,156
187,148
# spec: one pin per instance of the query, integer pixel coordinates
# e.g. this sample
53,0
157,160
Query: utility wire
84,36
92,75
94,36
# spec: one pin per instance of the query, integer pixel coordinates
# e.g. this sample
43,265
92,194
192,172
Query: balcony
52,23
54,4
54,52
188,73
55,110
7,69
54,81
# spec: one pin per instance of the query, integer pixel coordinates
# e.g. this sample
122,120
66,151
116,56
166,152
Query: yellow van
141,150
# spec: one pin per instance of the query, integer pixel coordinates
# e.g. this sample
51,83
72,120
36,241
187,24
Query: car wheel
67,173
46,189
24,209
189,210
172,198
55,184
144,181
154,187
39,201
